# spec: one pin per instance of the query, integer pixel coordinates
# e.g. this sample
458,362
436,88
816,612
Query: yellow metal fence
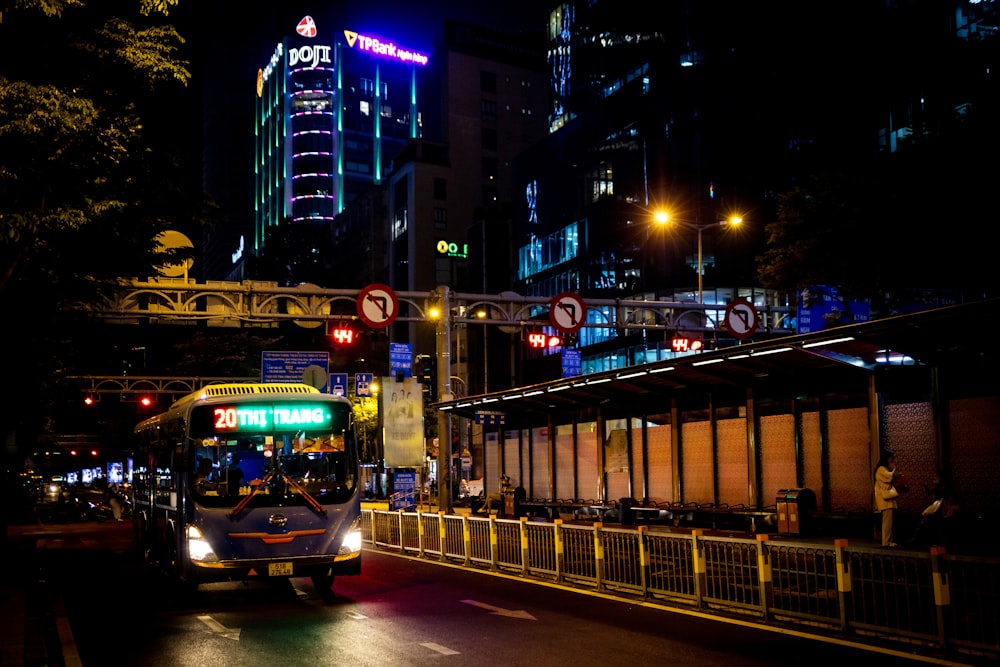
938,603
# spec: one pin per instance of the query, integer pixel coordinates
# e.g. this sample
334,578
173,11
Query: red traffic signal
543,340
145,401
686,344
343,335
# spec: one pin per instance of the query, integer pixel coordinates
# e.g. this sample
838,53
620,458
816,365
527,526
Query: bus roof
232,389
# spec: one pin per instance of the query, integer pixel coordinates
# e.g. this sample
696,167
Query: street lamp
662,218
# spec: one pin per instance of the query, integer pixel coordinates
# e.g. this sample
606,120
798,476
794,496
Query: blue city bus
243,481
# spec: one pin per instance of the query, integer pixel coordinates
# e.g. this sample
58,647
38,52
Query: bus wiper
240,506
313,503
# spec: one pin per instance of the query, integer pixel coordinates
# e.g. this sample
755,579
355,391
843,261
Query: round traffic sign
742,319
567,311
377,305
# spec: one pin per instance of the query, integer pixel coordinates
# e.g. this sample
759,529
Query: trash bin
508,505
794,508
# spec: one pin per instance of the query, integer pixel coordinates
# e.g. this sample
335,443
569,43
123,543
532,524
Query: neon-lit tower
330,115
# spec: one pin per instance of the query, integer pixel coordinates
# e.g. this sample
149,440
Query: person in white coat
885,494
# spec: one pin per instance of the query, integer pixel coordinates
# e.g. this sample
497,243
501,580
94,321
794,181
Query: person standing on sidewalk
115,501
885,494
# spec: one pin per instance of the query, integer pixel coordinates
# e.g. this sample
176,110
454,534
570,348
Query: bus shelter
730,428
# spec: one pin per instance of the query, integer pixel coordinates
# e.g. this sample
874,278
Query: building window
488,110
543,253
366,108
602,182
399,222
488,82
367,87
440,189
440,218
352,167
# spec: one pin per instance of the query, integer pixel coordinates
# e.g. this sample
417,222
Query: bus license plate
279,569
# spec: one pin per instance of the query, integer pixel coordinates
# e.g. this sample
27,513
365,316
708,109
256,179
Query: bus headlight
352,542
198,547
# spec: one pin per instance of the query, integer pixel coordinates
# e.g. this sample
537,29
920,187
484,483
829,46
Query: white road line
443,650
219,629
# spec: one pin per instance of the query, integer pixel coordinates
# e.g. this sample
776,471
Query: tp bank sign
383,48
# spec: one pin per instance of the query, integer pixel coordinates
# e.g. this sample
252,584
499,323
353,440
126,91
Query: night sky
244,40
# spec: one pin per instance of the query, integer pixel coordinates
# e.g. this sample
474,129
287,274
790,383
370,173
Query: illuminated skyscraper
333,107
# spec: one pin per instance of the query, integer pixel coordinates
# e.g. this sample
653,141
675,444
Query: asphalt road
400,611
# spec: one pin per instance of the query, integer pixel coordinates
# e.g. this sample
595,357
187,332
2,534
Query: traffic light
425,370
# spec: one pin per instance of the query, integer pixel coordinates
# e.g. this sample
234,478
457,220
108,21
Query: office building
713,111
332,108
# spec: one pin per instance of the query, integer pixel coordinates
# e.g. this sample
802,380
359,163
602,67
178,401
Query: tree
88,175
232,354
366,420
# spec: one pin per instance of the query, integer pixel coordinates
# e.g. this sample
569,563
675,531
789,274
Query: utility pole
443,350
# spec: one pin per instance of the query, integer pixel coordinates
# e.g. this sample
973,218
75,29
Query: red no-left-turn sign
742,319
377,305
568,312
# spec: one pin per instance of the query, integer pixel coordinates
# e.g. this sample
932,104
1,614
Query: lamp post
662,218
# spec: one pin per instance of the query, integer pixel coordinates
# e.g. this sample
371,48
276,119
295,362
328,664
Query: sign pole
443,350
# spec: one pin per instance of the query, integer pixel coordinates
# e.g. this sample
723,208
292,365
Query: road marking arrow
501,612
219,628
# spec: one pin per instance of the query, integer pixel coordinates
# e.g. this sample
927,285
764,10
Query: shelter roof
948,336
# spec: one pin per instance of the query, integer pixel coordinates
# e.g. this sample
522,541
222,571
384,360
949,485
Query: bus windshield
277,463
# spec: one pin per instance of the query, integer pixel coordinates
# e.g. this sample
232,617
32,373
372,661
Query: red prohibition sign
567,312
377,305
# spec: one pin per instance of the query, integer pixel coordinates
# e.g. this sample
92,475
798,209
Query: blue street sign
490,418
362,384
400,358
308,367
571,363
822,307
338,384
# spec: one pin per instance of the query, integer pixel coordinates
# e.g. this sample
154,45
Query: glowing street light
734,220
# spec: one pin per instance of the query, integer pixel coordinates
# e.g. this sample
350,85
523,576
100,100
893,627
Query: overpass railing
931,602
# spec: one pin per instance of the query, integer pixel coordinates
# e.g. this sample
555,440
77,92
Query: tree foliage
88,175
224,355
